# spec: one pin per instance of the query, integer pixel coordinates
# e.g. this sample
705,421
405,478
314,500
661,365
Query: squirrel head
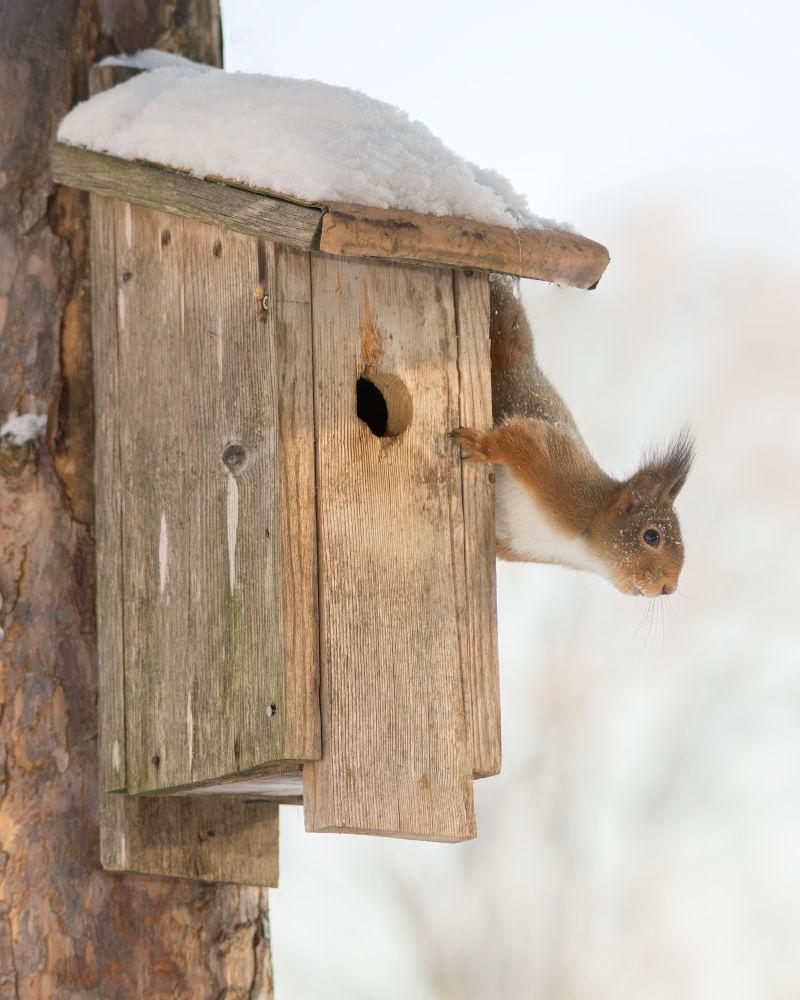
636,533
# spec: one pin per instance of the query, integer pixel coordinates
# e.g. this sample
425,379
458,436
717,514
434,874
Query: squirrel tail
509,330
511,344
519,387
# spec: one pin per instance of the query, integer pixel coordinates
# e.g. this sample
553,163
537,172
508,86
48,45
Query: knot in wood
234,458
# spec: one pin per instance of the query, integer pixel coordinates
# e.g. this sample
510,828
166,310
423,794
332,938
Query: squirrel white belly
554,502
527,530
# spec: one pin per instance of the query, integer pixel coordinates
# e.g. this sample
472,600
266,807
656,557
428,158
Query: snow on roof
300,138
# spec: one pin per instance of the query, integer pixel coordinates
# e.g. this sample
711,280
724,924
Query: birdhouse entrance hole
384,404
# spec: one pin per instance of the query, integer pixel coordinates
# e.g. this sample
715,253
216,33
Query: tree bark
67,928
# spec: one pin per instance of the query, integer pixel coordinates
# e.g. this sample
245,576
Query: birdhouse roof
351,174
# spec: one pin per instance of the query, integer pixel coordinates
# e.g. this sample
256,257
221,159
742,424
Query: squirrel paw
479,443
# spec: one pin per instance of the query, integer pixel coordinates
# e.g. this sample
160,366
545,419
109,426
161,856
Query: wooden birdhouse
296,578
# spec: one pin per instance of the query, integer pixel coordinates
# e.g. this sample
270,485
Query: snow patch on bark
20,428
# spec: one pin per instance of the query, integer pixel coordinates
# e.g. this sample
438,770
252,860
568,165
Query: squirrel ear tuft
676,462
661,476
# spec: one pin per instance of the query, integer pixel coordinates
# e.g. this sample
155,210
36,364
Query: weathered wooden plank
160,188
220,523
547,254
347,230
289,308
108,508
235,614
202,838
155,429
479,626
396,759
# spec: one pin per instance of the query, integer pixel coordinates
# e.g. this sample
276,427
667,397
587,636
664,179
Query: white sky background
642,841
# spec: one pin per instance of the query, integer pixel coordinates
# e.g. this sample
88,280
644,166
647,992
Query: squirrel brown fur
555,504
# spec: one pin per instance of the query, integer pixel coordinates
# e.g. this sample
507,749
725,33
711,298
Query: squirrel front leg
513,443
480,444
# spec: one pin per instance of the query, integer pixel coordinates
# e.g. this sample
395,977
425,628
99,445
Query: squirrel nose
667,589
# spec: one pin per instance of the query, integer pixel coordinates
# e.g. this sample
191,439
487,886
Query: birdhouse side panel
108,494
217,533
479,628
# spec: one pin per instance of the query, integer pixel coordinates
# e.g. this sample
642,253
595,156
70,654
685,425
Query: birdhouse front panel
398,672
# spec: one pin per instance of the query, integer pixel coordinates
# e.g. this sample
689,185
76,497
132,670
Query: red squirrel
554,504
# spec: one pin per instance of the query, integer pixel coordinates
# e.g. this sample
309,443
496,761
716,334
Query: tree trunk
67,928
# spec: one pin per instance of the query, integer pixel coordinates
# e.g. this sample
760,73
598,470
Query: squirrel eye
652,537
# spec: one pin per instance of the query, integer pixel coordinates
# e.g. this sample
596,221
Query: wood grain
232,455
396,758
289,321
161,188
108,515
204,838
156,429
479,623
546,254
219,523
